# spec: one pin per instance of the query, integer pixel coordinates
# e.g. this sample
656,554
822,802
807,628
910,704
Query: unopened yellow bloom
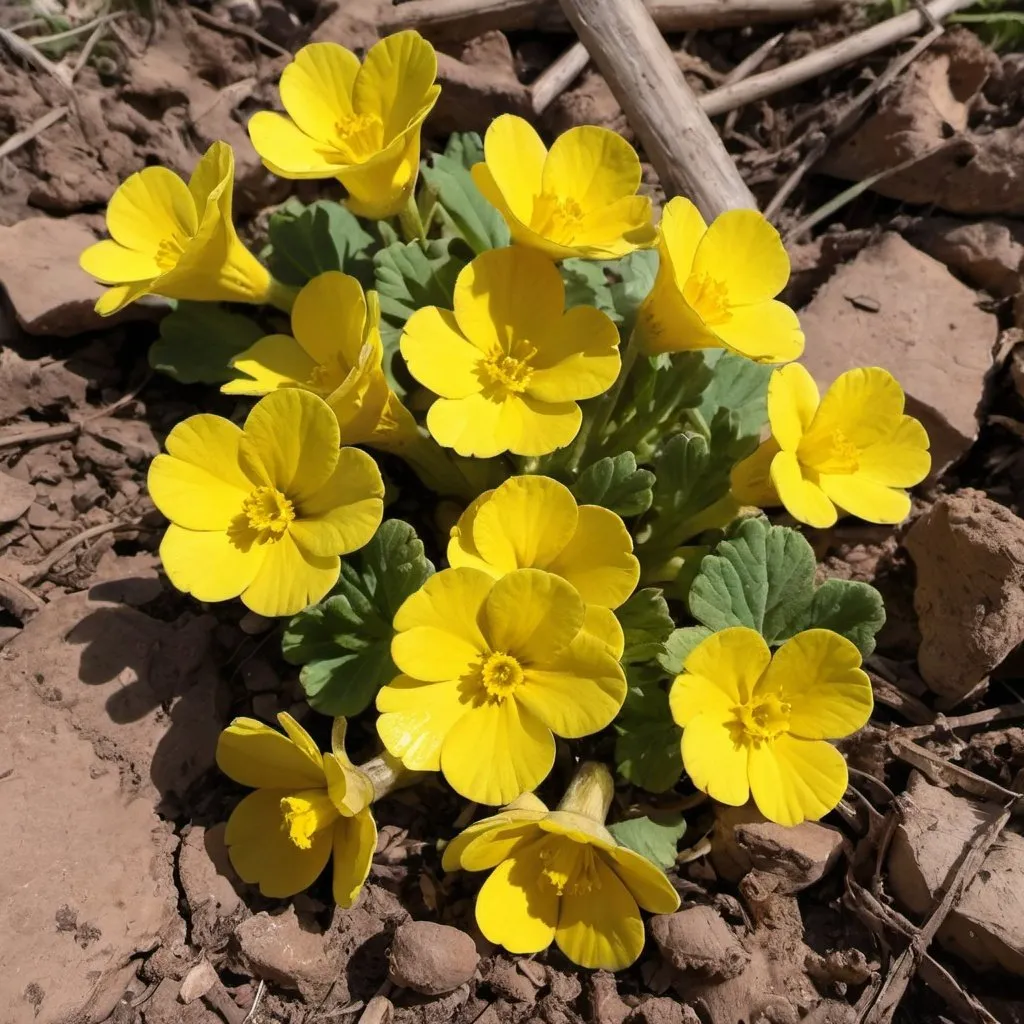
336,353
756,725
534,522
307,806
510,363
560,876
357,123
264,512
716,287
492,670
579,199
176,240
855,449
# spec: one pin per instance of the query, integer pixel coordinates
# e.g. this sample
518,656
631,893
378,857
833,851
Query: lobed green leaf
616,483
198,340
655,837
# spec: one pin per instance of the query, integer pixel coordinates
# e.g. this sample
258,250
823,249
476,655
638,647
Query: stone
800,856
164,1007
199,980
473,95
430,958
39,270
661,1010
16,498
894,307
986,927
969,597
698,943
986,253
209,884
506,980
606,1005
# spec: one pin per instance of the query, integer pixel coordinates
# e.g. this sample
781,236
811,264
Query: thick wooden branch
641,71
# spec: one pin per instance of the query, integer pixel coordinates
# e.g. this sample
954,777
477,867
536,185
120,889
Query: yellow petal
462,551
262,853
438,628
345,512
794,780
524,523
416,718
716,760
287,151
316,88
489,299
818,673
577,693
152,206
743,249
256,755
289,579
354,843
616,229
209,565
768,332
902,459
792,403
382,186
598,561
803,499
111,263
473,425
199,484
600,929
299,736
594,166
645,882
438,356
729,662
666,321
602,623
681,229
532,427
751,480
577,358
499,841
517,908
515,157
865,405
532,615
395,81
861,496
496,752
329,320
276,361
291,441
113,300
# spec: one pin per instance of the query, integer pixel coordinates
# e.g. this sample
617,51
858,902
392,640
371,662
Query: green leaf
408,278
678,647
587,284
344,642
465,148
739,388
646,623
763,577
852,609
475,219
655,837
616,484
647,751
310,240
635,274
198,340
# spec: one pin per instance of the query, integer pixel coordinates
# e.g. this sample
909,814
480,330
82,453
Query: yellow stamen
832,453
501,674
761,719
508,372
709,297
358,136
268,511
168,253
556,217
305,814
569,866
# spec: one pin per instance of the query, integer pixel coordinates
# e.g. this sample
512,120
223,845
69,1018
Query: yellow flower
176,240
510,363
854,449
492,669
357,123
559,875
756,725
264,512
307,805
336,353
579,199
716,287
533,522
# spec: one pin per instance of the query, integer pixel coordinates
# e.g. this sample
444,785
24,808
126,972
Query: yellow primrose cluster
518,645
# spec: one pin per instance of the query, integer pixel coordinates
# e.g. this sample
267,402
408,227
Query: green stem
387,774
411,222
281,296
590,793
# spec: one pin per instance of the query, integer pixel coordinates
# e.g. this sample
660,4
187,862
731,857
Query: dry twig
30,574
37,127
557,78
238,30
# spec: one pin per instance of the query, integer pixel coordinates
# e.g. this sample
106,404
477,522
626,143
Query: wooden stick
676,134
37,127
557,78
460,19
846,51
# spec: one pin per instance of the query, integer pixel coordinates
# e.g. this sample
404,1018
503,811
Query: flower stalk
590,793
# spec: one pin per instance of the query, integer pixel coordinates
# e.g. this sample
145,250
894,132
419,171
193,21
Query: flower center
501,674
168,252
305,814
709,297
358,136
508,372
832,453
762,719
327,379
556,217
268,511
569,866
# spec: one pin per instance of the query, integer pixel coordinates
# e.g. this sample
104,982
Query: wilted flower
756,725
176,240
